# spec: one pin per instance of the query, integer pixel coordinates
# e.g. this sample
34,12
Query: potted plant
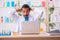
51,9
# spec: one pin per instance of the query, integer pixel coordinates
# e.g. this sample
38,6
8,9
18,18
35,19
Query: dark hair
26,6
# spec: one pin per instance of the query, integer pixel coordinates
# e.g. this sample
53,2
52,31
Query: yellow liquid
41,29
15,33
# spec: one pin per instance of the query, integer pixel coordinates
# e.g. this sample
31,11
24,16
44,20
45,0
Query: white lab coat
19,19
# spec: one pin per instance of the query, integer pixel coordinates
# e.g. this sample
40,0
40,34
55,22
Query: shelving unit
54,22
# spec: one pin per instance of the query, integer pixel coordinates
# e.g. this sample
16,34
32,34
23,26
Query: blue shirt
27,18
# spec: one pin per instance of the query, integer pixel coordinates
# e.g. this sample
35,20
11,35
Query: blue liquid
12,3
8,4
5,34
29,3
6,20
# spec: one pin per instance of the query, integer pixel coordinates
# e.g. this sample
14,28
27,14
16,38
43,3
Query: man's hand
41,14
18,10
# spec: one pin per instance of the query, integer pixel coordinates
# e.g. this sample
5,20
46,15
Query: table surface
35,35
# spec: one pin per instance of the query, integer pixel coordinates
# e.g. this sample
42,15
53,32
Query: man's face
25,11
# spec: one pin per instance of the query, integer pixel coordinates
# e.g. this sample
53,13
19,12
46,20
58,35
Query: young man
25,10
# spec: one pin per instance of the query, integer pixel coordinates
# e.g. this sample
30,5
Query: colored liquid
12,3
8,4
6,20
15,33
41,29
29,3
43,3
1,19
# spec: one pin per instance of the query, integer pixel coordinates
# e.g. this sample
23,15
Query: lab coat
20,19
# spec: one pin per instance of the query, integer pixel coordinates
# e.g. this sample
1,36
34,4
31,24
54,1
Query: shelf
56,7
54,22
30,6
7,7
8,23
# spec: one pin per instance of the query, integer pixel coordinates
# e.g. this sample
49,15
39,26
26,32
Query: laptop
30,27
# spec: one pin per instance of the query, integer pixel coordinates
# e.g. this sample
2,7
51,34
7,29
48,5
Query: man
25,10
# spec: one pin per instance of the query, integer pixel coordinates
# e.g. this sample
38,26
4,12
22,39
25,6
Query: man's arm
14,16
39,17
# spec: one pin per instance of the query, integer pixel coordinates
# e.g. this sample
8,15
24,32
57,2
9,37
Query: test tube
1,19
